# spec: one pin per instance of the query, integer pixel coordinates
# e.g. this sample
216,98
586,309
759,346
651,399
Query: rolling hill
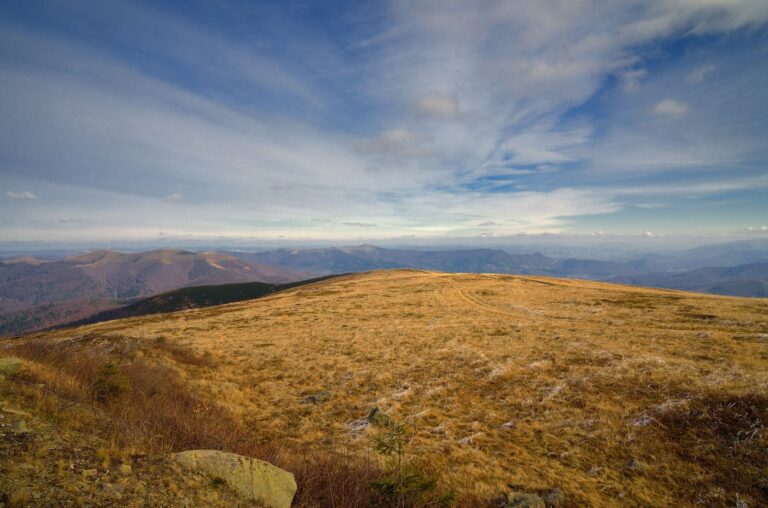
588,393
743,280
192,298
36,294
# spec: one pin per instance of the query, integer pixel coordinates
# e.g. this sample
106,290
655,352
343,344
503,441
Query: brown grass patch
149,407
726,435
530,383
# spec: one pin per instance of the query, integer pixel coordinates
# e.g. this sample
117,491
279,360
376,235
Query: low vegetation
141,405
580,393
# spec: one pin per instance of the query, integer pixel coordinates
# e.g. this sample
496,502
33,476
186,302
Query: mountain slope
35,294
192,298
744,280
368,257
615,395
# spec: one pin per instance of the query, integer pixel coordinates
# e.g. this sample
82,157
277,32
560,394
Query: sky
382,120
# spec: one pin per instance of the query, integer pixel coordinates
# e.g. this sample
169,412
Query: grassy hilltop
615,395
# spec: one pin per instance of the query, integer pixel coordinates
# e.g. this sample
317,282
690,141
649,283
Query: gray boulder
252,478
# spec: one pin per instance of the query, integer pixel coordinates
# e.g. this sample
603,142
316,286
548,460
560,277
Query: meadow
608,395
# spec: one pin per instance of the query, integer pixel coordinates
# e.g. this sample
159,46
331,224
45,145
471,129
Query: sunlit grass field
615,395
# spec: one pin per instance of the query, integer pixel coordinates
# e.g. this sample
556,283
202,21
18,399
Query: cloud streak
22,195
437,119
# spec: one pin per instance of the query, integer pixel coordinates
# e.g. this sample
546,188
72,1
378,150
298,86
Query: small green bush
110,382
404,483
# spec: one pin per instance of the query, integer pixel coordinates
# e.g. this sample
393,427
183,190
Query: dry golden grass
615,395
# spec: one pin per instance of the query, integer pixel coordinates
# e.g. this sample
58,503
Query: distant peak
366,247
23,260
95,256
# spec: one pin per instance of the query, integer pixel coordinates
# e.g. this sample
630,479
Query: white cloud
499,60
438,105
631,79
670,108
360,224
174,197
692,188
506,87
398,143
700,73
21,195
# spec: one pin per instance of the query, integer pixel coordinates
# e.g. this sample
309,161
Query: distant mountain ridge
743,280
368,257
653,271
35,294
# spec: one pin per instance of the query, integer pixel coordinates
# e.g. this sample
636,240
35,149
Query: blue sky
379,120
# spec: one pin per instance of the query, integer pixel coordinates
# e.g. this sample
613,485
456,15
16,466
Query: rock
379,418
125,469
360,425
21,428
316,398
634,466
523,500
252,478
113,490
471,440
508,425
88,473
553,498
10,365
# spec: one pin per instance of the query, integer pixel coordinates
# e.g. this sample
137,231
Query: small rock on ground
524,500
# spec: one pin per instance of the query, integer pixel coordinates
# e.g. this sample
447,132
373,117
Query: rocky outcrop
252,478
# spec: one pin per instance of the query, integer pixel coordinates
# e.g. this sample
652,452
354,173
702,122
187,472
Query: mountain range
742,280
363,258
687,270
36,293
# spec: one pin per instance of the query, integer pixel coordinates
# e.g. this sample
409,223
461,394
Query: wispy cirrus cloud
23,195
173,197
430,118
438,105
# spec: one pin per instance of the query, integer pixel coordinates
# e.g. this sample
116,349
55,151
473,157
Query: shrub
150,408
403,483
110,382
